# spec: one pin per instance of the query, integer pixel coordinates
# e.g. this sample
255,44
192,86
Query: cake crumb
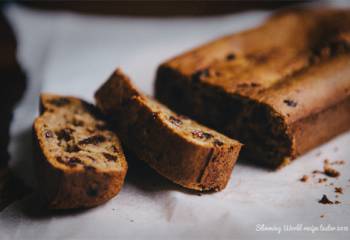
338,162
322,180
316,171
331,172
304,178
322,216
325,200
338,190
337,202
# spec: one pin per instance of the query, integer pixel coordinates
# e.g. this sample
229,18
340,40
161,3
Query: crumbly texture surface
178,148
80,159
281,88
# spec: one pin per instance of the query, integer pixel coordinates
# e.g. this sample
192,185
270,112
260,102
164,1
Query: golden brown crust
293,68
78,183
176,147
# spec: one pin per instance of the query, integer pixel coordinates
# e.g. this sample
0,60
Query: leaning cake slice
178,148
80,162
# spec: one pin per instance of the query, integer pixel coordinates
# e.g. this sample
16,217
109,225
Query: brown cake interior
75,138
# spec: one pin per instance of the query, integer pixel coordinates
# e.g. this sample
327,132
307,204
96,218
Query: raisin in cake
281,88
80,162
178,148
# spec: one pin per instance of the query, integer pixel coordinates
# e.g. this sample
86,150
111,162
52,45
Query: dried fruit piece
77,123
93,140
89,168
218,143
176,121
230,56
74,161
200,134
64,134
290,103
59,102
110,157
72,148
197,76
60,160
48,134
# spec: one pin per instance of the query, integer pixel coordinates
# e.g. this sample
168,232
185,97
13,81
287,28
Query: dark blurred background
159,7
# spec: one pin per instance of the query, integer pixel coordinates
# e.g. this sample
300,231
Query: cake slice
281,88
178,148
80,161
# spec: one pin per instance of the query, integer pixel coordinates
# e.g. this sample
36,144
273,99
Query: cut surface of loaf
80,161
178,148
281,88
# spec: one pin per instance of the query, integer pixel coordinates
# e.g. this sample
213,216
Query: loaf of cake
178,148
80,162
281,88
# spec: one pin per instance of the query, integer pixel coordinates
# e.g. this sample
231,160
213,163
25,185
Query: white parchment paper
73,54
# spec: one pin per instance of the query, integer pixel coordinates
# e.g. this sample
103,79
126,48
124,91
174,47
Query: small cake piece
80,162
281,88
178,148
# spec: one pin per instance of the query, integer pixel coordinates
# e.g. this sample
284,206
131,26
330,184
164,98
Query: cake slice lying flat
178,148
80,162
